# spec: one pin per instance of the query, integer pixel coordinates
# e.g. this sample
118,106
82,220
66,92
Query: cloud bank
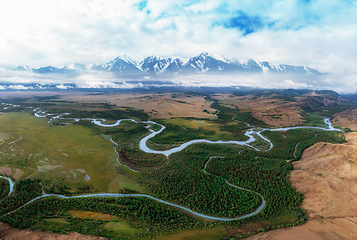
27,80
316,33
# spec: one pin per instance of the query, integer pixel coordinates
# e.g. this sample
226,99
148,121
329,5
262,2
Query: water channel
143,146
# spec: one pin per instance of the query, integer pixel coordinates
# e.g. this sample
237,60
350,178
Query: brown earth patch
5,170
268,109
322,229
246,229
346,119
9,233
46,168
92,215
164,105
327,176
18,174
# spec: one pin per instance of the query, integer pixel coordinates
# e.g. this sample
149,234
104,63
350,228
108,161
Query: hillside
116,163
326,175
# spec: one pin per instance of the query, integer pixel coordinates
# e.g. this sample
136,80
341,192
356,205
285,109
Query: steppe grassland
199,129
164,105
208,234
69,155
92,215
123,229
199,124
326,175
268,109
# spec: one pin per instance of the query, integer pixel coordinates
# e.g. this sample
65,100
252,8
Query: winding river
10,183
143,146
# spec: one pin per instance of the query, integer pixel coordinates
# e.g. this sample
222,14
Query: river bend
143,146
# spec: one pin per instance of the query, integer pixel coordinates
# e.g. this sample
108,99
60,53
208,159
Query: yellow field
164,105
92,215
202,124
268,109
116,225
56,220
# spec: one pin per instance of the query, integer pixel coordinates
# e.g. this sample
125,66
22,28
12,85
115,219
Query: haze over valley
202,119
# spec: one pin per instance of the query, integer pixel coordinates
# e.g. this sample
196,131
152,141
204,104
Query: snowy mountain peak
76,66
126,59
23,68
205,54
151,59
155,65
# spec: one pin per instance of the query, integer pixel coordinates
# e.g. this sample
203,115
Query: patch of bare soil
9,233
327,176
18,174
322,229
246,229
268,109
165,105
5,170
346,119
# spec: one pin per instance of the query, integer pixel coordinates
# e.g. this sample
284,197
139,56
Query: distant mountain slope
154,65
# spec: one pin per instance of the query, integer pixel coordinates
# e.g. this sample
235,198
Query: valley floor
7,233
326,175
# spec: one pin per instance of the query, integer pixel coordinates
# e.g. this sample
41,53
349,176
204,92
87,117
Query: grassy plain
165,105
179,130
70,156
92,215
192,234
80,158
266,108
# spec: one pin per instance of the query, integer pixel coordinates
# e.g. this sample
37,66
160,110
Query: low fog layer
339,83
319,34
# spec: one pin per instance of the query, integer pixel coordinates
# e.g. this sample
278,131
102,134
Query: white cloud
19,87
342,83
320,33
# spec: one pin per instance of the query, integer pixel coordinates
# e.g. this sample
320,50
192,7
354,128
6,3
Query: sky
321,34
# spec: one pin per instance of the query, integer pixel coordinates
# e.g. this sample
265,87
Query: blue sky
319,33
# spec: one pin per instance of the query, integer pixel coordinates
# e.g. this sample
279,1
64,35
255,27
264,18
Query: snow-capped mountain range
158,66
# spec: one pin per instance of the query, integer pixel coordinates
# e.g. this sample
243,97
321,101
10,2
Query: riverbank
326,175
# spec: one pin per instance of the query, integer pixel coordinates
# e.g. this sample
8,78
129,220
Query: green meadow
67,158
180,130
79,158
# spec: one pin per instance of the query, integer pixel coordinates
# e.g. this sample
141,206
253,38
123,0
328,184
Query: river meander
143,146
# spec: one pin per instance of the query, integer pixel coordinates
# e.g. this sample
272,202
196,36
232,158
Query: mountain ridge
204,63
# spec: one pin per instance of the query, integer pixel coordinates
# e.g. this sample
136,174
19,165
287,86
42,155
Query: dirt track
327,176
